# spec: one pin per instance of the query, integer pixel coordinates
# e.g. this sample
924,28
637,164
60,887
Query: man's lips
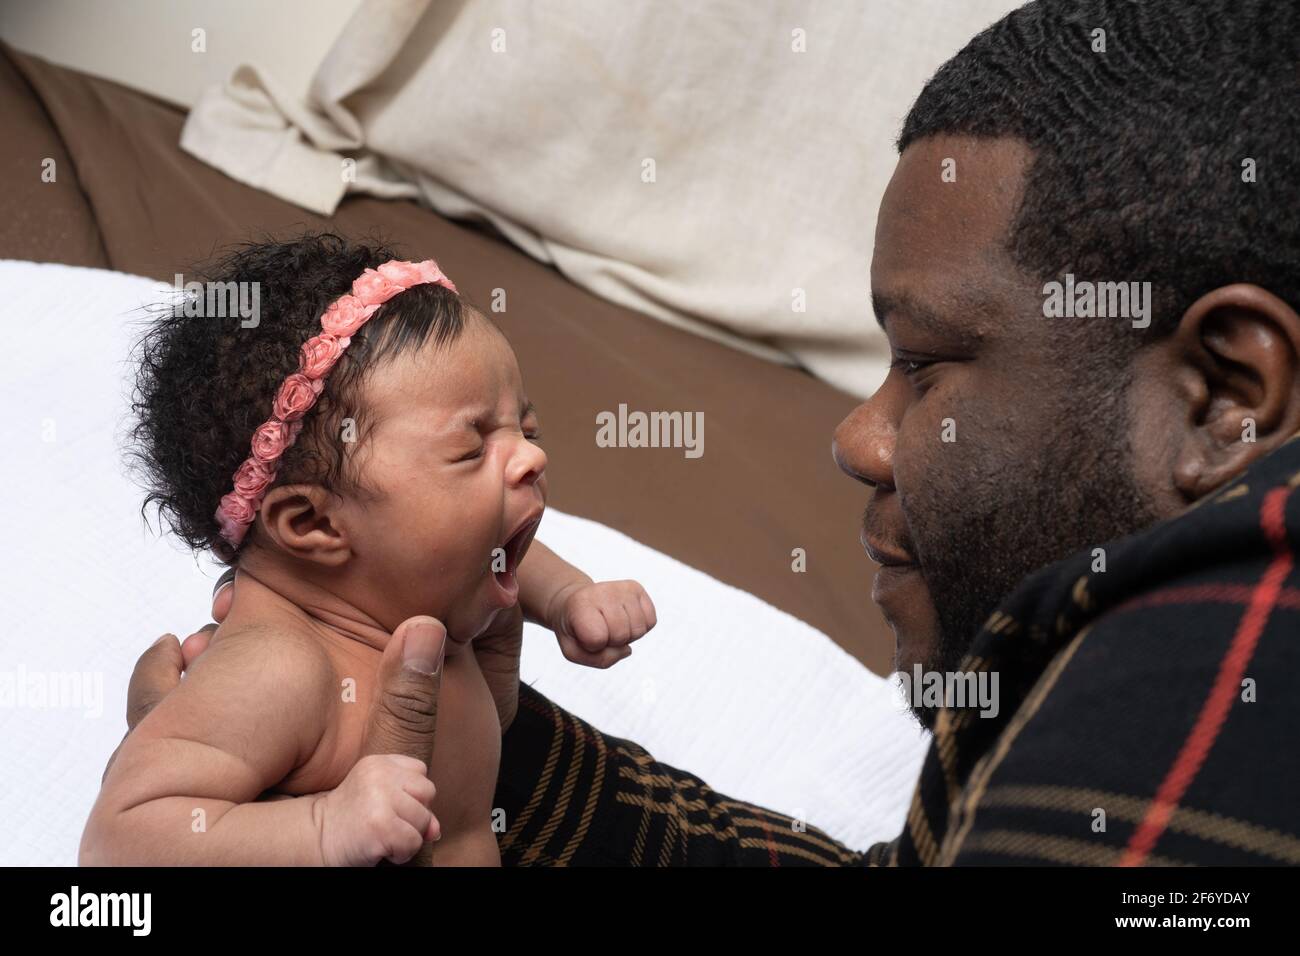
898,577
886,554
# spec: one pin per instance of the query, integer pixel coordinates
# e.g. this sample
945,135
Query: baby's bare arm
594,621
543,577
183,787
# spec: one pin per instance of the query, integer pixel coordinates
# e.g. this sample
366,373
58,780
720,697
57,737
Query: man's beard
977,541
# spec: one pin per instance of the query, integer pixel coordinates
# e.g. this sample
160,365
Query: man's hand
497,652
595,622
157,673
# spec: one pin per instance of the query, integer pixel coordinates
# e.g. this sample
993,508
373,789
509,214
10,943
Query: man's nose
863,445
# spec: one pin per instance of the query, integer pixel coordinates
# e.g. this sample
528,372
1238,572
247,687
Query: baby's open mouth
515,547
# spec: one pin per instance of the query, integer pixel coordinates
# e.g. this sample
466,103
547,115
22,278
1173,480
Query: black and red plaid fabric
1147,716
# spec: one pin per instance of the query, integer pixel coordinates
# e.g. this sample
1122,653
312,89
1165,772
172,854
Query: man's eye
533,436
909,366
470,456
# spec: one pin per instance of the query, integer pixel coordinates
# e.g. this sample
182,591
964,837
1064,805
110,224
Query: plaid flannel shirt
1147,716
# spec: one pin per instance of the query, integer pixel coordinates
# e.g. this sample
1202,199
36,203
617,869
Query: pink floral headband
301,389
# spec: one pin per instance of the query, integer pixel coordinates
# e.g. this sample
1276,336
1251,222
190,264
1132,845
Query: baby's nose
529,464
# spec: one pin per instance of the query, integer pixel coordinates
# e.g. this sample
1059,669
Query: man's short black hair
1142,152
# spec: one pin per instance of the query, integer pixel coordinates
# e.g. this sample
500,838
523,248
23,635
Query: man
1082,466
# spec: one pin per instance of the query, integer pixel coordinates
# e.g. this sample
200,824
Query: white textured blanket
755,702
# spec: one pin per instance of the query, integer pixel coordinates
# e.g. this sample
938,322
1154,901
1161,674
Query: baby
397,475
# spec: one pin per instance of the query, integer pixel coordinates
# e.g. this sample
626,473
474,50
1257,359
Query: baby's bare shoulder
265,675
267,655
259,695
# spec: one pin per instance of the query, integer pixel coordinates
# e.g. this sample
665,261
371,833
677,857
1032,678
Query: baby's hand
596,622
381,811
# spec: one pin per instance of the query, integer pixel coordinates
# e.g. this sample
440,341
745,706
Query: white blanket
715,165
757,703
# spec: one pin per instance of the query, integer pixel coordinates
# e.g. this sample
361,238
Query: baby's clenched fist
596,622
383,810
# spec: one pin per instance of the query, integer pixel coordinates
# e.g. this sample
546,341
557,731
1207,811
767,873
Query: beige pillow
717,166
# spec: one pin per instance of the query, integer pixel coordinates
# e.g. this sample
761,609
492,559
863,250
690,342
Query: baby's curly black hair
205,382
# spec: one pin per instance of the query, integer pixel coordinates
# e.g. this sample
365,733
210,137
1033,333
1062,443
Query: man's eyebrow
884,305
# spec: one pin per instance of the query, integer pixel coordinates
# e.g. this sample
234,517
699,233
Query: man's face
992,449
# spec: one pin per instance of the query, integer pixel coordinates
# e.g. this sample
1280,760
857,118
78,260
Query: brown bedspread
127,198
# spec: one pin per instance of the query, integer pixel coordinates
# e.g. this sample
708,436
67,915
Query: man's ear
304,521
1239,355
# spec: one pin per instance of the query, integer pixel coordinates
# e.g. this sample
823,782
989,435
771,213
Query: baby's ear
304,521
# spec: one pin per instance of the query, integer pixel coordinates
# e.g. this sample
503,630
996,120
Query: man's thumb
405,712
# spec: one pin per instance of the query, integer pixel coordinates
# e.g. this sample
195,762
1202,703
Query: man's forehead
941,237
951,195
963,180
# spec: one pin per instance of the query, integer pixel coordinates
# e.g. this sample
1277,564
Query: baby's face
458,474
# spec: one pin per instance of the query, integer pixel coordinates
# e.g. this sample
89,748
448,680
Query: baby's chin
463,625
470,616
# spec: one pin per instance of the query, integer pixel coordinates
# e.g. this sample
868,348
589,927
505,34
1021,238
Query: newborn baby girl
398,474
